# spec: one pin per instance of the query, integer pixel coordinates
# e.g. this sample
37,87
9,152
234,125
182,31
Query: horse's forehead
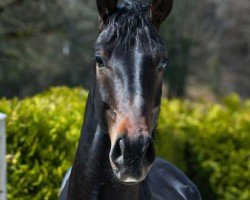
131,50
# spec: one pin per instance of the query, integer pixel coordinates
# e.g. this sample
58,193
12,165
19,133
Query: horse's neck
84,177
91,175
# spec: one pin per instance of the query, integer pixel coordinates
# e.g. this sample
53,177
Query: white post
3,171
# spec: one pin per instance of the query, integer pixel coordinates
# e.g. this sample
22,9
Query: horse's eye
99,61
163,65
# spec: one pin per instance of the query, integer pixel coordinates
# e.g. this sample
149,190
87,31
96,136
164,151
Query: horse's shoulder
165,181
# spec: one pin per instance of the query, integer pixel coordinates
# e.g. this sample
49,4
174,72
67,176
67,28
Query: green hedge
41,139
210,142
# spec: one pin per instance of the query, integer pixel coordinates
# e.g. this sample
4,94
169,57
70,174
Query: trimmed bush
41,141
210,142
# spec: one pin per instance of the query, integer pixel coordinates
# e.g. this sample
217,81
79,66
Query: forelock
129,24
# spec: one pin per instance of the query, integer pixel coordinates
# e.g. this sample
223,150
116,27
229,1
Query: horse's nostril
149,150
118,151
145,145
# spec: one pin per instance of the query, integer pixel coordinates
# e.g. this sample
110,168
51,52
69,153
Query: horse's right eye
163,65
99,61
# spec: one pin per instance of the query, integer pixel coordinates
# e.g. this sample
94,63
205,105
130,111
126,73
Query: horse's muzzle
132,158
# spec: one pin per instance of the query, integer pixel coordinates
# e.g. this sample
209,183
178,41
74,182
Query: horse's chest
119,193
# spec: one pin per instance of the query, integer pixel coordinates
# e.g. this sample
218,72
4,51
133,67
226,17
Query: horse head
130,58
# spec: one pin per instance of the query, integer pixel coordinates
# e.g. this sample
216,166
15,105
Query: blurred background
204,125
44,43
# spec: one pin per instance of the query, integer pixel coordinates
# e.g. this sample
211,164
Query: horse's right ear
105,8
160,9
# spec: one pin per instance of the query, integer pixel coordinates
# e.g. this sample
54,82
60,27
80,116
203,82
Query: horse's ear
160,9
105,8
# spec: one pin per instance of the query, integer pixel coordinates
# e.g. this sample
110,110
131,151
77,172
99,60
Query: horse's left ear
160,9
105,8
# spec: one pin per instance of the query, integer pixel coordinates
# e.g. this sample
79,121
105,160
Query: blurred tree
44,43
176,31
221,57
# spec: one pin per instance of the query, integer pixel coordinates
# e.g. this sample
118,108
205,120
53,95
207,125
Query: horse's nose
117,154
133,152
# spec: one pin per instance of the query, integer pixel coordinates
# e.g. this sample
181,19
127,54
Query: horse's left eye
99,61
162,65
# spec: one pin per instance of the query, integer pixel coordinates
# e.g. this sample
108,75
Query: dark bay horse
115,158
